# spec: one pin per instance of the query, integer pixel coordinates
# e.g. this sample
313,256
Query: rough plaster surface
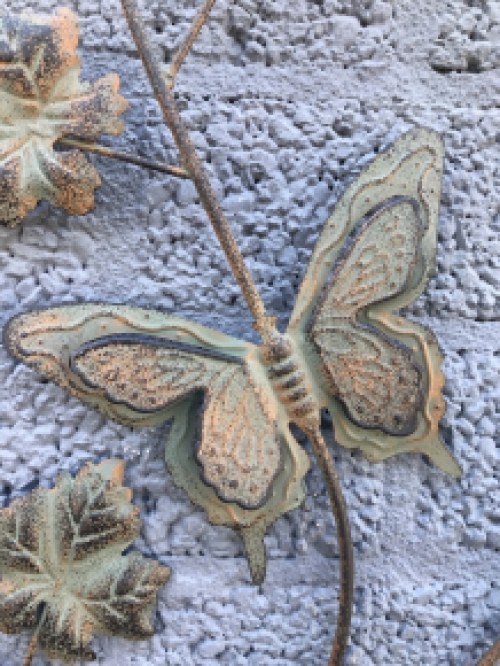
286,102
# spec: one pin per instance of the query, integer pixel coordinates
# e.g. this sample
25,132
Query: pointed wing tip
445,460
454,469
258,577
257,570
253,539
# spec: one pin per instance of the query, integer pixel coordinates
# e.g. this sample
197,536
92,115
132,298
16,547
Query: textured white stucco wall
287,100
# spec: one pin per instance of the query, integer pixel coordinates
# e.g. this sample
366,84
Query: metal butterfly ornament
376,372
232,402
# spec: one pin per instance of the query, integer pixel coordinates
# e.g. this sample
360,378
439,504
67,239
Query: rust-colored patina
42,100
378,374
63,572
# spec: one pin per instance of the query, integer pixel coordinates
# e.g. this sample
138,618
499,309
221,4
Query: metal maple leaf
63,573
43,100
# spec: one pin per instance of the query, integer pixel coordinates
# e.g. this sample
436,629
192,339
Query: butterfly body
345,349
288,376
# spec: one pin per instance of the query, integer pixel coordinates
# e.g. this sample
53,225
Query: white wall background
287,100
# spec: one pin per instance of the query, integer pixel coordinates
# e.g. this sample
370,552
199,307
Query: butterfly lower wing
142,367
287,489
378,446
239,451
363,345
375,379
385,379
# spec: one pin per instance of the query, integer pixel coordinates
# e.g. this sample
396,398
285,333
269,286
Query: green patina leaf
61,551
41,101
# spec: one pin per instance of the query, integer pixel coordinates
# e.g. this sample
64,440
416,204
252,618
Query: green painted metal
43,100
63,572
231,402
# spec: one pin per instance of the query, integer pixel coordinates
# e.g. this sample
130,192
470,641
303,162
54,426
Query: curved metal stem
121,155
263,322
346,597
185,47
492,657
192,162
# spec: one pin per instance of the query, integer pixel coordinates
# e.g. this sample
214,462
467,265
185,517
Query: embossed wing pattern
143,377
377,381
239,451
377,264
375,378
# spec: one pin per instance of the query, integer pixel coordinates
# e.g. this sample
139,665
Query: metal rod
492,657
263,322
198,23
30,654
126,157
346,596
193,163
32,647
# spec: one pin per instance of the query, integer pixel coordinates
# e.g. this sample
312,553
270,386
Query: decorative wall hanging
63,572
230,447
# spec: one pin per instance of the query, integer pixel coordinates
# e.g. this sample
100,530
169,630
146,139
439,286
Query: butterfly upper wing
412,167
375,364
142,367
47,340
240,451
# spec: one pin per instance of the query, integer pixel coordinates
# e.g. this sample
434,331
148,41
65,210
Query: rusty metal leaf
60,551
41,101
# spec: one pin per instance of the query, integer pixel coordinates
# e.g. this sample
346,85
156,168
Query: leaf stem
32,647
123,156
